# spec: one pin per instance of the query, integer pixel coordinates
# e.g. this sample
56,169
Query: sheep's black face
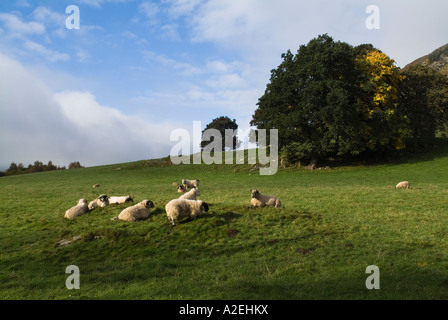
205,206
255,193
129,199
150,204
103,198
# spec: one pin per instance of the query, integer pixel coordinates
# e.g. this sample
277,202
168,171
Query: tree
325,101
75,165
424,100
222,124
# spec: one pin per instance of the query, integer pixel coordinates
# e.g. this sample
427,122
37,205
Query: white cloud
17,27
48,54
39,124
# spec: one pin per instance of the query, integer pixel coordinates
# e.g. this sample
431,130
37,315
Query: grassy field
334,223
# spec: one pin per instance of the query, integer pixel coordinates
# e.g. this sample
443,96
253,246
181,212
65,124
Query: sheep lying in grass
403,184
190,183
182,189
191,195
120,200
78,210
137,212
261,200
181,208
101,201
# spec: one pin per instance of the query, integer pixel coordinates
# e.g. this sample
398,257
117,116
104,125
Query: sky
114,89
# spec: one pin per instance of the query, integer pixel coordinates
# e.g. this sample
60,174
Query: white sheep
403,184
137,212
101,201
191,195
120,200
190,183
177,209
261,200
78,210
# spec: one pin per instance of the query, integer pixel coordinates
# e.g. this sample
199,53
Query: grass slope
333,225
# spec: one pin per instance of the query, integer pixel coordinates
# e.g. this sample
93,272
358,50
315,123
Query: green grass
334,223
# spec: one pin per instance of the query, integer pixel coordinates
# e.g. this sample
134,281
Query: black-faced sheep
120,200
78,210
182,189
137,212
261,200
178,209
191,195
190,183
101,201
403,184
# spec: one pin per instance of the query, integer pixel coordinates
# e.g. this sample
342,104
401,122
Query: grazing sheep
181,208
403,184
96,185
137,212
191,195
78,210
120,200
182,189
190,183
101,201
261,200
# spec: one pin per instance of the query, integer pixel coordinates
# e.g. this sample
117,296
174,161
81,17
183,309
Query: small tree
221,124
75,165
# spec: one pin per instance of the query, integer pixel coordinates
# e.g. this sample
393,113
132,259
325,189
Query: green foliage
38,166
331,99
222,124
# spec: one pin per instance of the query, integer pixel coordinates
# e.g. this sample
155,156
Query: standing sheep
120,200
403,184
190,183
177,209
191,195
137,212
101,201
78,210
261,200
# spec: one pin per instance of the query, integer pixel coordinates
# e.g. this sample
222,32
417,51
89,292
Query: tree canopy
222,124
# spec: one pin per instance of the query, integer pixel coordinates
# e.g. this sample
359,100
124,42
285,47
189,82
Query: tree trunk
313,164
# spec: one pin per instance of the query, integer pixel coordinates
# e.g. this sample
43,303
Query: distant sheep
191,195
101,201
403,185
120,200
190,183
78,210
96,186
182,189
261,200
137,212
181,208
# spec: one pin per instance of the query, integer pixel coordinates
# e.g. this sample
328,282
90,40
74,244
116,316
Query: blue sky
113,90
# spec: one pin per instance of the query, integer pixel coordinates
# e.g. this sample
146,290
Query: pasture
333,224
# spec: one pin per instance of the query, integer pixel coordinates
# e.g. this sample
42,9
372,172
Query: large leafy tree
325,101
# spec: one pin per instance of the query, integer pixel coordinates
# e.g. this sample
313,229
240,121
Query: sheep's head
129,199
103,198
255,193
204,206
181,188
197,192
148,203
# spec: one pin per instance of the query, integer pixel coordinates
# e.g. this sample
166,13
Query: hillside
437,60
333,224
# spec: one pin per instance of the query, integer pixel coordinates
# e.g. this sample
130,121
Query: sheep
190,183
182,189
120,200
403,184
261,200
191,195
137,212
101,201
78,210
181,208
96,186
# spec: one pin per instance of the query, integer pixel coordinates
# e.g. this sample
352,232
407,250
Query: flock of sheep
186,206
